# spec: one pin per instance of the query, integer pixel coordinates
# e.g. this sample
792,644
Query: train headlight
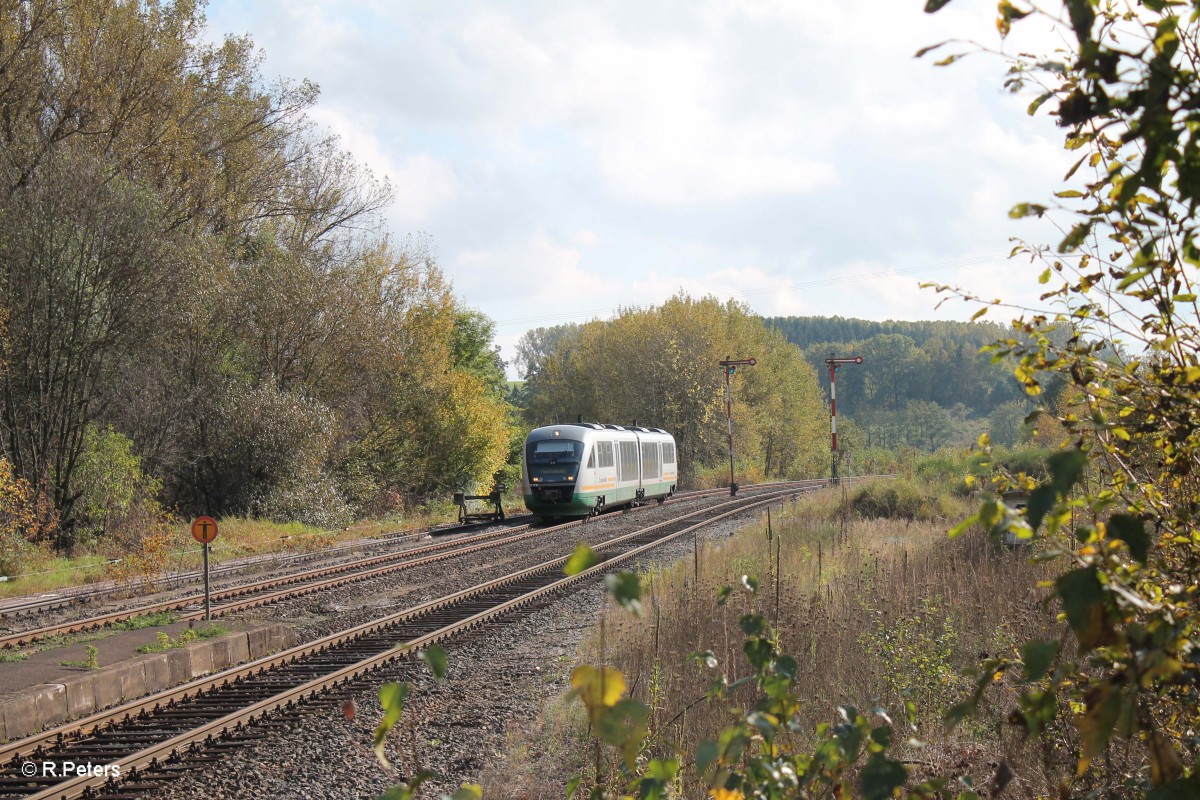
570,477
534,480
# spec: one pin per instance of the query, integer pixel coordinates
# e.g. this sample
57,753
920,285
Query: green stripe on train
582,503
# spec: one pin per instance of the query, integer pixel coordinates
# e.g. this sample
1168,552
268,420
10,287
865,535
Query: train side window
650,460
591,464
604,455
668,452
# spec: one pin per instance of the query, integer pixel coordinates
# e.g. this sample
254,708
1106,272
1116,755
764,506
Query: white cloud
651,116
769,293
421,183
540,275
567,155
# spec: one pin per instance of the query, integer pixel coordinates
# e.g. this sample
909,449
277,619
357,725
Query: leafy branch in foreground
392,697
1119,512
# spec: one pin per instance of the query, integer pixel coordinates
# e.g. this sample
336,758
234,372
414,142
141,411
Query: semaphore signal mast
834,365
731,365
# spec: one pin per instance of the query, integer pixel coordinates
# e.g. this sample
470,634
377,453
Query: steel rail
96,720
131,764
407,558
311,581
93,721
32,604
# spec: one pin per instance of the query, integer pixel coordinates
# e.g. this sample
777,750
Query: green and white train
578,469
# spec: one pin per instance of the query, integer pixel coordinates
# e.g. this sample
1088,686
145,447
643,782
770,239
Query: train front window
553,459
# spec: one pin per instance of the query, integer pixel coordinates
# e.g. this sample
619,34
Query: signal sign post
204,531
834,365
730,365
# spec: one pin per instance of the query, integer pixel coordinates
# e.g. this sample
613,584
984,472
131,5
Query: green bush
308,495
117,500
18,519
941,469
270,455
1030,460
949,471
877,461
898,499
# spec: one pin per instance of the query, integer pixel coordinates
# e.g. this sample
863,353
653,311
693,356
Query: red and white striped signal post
834,365
731,365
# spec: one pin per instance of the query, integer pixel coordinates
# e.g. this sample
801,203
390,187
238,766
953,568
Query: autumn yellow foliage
18,517
659,366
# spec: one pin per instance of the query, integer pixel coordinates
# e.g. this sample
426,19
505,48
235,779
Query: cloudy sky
566,157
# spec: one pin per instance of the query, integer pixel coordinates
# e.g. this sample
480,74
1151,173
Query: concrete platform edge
49,704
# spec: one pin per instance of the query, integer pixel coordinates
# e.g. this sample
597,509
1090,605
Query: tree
128,149
928,424
189,262
86,272
537,345
785,401
659,366
891,366
948,368
1007,424
113,489
19,519
472,350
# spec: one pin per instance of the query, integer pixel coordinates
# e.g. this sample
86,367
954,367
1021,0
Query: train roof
598,426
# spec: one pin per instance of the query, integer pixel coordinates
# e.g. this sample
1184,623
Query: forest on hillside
204,313
658,366
924,384
202,309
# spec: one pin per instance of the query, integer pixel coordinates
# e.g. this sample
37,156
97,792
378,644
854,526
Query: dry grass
239,537
538,767
876,613
42,572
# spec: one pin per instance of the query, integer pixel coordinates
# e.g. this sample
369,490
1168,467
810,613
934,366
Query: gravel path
500,680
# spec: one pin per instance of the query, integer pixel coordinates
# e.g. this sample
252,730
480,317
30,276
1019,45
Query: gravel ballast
500,680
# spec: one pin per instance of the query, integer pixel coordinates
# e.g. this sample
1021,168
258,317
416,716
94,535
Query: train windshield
553,459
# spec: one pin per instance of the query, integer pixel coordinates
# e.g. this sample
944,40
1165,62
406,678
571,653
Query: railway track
162,737
77,595
277,589
270,590
26,606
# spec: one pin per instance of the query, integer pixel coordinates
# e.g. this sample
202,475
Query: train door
627,458
670,467
638,449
